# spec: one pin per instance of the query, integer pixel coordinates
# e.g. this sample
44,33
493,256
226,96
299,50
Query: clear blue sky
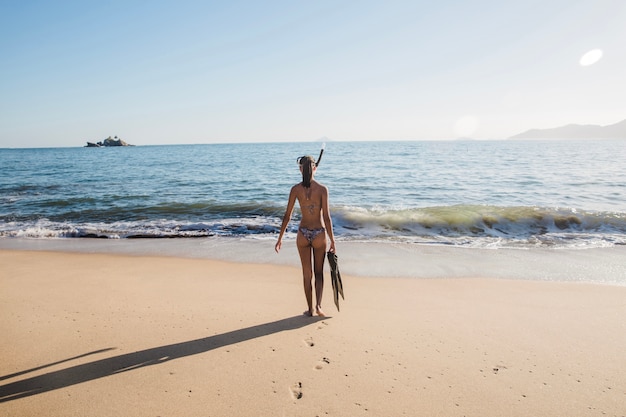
167,72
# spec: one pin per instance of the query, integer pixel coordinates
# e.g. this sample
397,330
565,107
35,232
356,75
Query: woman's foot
308,313
319,312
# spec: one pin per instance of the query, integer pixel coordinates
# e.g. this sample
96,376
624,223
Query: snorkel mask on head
319,158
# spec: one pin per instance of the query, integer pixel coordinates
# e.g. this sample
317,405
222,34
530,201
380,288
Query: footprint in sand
321,363
296,390
498,368
309,342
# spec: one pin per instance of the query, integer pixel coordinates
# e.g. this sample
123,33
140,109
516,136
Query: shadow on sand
127,362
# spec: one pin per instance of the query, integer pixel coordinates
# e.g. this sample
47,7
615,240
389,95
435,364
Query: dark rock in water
108,142
114,142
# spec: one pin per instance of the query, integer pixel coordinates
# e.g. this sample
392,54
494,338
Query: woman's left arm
328,222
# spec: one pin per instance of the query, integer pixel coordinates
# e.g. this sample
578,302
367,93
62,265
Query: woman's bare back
311,203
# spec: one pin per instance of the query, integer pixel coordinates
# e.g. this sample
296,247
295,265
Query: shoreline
101,334
375,259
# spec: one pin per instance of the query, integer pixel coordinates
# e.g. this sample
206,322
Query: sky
181,72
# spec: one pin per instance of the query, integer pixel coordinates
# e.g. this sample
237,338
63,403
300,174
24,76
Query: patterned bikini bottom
311,234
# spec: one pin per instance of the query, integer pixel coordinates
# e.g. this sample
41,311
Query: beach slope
103,334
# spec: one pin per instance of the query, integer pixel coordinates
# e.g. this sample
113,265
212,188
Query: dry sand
113,335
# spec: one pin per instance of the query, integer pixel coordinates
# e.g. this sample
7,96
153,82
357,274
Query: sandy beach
87,334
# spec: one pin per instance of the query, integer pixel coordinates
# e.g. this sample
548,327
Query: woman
315,224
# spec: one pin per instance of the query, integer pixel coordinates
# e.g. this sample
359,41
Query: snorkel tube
319,158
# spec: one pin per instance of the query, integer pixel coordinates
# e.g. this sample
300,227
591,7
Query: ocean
540,210
485,194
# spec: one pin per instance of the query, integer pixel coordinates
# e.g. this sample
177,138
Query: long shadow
28,371
130,361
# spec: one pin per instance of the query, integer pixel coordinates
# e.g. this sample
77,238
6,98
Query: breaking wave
462,225
478,225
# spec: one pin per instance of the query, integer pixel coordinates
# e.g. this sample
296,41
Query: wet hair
307,163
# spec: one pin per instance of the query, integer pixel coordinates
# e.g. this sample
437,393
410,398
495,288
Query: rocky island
108,142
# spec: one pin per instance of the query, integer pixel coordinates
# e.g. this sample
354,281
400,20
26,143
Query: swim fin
335,277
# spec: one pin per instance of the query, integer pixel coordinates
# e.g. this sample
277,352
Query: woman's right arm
290,205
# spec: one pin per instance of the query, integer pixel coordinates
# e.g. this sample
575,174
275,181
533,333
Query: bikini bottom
311,234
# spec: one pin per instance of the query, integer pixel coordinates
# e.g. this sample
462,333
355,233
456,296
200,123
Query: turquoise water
465,193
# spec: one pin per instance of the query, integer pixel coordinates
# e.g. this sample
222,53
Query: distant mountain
573,131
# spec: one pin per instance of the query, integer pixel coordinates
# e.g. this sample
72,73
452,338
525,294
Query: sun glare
591,57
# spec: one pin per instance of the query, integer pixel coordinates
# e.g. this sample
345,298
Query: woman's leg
304,249
319,255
